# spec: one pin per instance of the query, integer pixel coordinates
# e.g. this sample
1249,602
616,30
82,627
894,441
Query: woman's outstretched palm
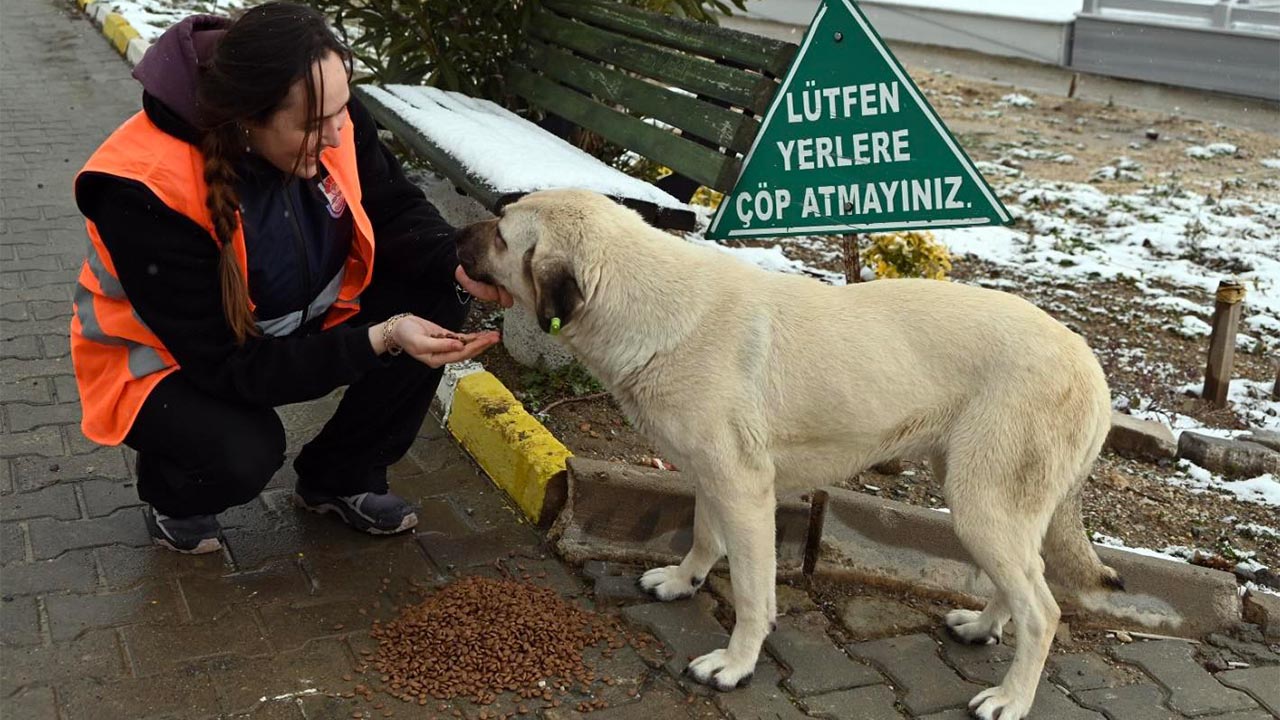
433,345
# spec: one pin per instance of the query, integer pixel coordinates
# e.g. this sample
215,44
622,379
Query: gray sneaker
376,514
193,535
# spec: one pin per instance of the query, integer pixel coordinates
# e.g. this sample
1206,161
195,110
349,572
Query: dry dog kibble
479,637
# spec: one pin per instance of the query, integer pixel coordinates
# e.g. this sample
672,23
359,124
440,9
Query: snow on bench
499,153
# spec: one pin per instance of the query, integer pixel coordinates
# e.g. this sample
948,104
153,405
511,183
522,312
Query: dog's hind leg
980,628
674,582
746,516
1070,556
1004,542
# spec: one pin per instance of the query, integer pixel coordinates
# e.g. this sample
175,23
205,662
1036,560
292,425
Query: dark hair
263,53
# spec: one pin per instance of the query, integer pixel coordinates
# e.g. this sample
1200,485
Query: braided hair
262,55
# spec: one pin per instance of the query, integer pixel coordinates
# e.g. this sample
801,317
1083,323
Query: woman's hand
431,344
484,291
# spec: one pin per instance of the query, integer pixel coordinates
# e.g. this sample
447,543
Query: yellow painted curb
521,455
119,31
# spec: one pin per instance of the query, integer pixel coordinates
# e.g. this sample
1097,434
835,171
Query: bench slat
751,51
704,77
442,161
724,127
686,157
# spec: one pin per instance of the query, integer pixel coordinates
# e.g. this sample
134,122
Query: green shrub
458,45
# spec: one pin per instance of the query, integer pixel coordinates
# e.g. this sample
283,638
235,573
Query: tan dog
751,381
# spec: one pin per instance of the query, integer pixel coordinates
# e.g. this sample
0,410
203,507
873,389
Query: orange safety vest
117,359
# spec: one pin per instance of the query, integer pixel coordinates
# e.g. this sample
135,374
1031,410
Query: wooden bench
683,94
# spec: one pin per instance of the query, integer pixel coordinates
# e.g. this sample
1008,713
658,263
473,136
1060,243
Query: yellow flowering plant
913,253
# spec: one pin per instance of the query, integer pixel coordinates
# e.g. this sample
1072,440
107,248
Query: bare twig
562,401
1153,636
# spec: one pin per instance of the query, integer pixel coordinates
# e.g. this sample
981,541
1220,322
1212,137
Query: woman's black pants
199,455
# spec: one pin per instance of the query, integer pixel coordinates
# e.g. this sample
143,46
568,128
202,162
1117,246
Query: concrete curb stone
1145,439
1232,458
886,542
644,515
1263,609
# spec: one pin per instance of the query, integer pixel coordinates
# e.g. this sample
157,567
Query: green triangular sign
851,145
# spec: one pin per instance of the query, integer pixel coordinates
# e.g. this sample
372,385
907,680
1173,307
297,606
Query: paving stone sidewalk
95,623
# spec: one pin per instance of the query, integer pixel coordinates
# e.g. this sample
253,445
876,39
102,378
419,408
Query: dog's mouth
483,277
479,276
469,266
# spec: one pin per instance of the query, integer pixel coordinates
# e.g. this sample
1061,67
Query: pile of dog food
479,637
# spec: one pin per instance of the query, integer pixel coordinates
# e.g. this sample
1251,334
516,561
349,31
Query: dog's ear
555,290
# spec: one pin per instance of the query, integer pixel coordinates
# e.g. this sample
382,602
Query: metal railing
1250,15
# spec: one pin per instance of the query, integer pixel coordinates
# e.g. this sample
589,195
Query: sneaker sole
206,545
409,521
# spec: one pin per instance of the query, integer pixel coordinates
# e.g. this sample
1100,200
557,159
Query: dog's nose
465,236
467,261
466,245
470,266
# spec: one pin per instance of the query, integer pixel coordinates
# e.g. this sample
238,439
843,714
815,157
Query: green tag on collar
555,326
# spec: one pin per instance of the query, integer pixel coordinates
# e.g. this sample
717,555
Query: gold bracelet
392,346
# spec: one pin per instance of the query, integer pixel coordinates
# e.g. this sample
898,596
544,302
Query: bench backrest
592,61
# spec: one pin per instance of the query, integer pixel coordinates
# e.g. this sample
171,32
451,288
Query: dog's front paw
716,669
669,583
967,626
996,703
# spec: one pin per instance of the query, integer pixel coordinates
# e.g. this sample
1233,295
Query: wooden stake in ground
813,542
1222,342
852,263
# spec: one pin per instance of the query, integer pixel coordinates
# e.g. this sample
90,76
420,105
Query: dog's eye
498,240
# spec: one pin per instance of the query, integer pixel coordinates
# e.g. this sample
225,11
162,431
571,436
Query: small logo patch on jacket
334,200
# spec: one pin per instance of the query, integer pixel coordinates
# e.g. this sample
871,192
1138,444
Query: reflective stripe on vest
143,359
110,285
118,359
285,324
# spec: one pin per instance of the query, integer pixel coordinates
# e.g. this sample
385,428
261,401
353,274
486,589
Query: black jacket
168,267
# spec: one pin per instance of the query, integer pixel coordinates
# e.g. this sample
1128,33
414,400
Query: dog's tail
1069,555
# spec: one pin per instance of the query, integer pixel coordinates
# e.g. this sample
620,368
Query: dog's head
536,247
